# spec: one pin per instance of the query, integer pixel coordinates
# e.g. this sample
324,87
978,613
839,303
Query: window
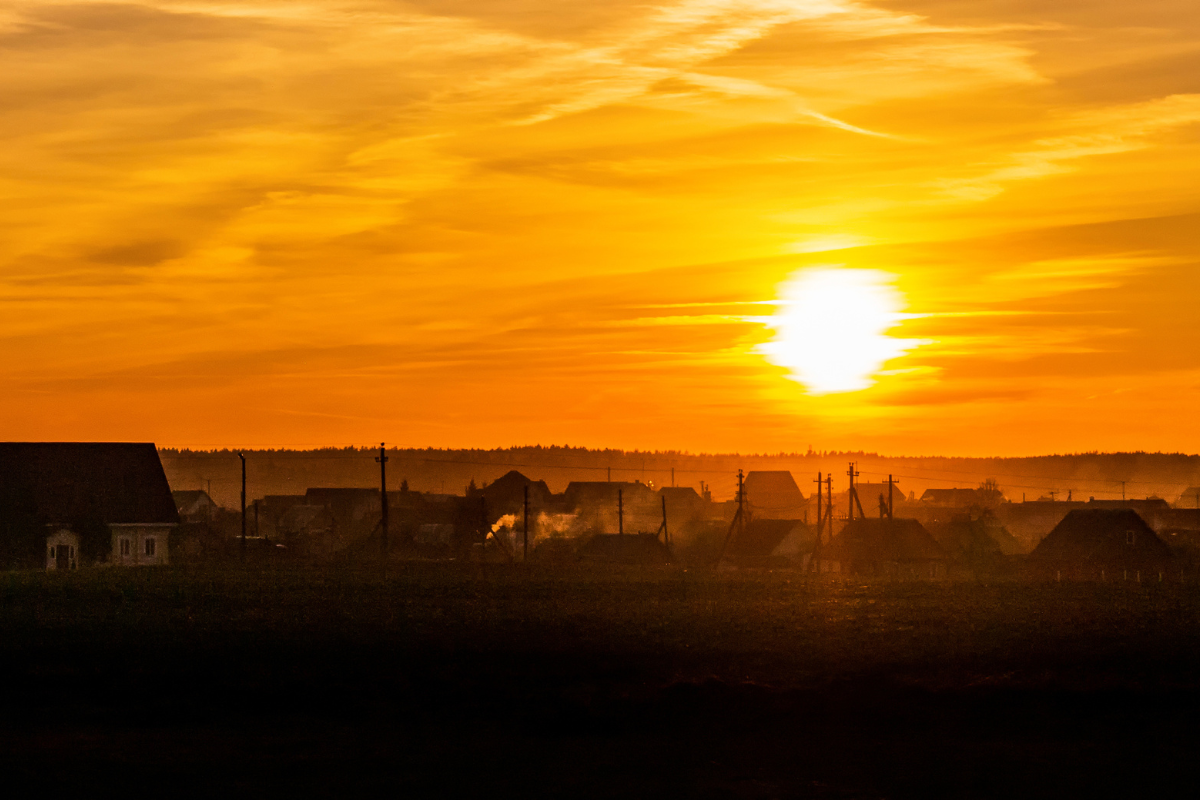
124,547
1130,537
151,545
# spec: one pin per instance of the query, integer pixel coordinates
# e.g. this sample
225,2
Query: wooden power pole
890,506
242,456
383,518
525,548
739,520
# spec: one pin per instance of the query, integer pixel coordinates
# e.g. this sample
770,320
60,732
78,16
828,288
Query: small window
1130,537
151,545
124,547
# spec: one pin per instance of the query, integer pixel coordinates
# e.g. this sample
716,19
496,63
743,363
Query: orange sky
457,222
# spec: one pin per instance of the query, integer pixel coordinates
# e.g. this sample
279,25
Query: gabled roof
580,493
66,482
884,540
772,489
760,538
510,488
951,497
635,548
1102,536
188,499
1189,497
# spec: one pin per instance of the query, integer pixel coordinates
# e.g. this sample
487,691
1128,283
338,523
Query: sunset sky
487,223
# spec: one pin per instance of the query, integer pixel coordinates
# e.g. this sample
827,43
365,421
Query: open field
595,683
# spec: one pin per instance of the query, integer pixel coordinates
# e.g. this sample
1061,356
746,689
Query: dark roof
65,482
187,498
1189,497
1102,536
884,540
760,538
631,548
685,493
771,489
581,493
509,489
951,497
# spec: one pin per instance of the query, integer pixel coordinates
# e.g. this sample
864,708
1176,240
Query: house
1189,498
592,494
874,495
976,539
758,540
506,494
194,505
1100,543
773,494
644,549
952,498
67,504
891,548
308,531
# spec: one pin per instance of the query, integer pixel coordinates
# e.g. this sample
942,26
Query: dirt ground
464,680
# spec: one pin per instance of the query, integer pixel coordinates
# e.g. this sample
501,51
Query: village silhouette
611,636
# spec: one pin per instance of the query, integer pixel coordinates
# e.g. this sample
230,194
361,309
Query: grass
602,682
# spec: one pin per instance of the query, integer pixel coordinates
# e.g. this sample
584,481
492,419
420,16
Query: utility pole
663,528
610,474
383,518
525,549
820,519
853,473
242,456
1122,491
814,561
256,534
620,512
739,521
672,476
890,506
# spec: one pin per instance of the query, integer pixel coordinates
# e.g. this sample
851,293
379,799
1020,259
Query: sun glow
831,329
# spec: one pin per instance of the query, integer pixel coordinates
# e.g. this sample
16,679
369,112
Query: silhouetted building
65,504
308,531
757,542
889,548
773,494
631,549
1189,498
194,505
506,494
1094,543
952,498
585,494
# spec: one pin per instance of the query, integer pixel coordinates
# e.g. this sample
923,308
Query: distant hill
1084,475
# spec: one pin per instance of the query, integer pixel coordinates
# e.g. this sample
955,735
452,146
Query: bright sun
831,328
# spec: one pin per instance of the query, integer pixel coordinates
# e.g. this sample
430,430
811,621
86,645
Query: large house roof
884,540
67,482
1102,536
773,494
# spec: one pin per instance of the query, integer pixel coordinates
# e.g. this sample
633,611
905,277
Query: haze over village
763,399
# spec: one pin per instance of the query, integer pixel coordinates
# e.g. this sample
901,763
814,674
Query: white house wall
139,545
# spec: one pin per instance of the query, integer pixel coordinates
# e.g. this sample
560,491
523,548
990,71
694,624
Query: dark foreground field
451,681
